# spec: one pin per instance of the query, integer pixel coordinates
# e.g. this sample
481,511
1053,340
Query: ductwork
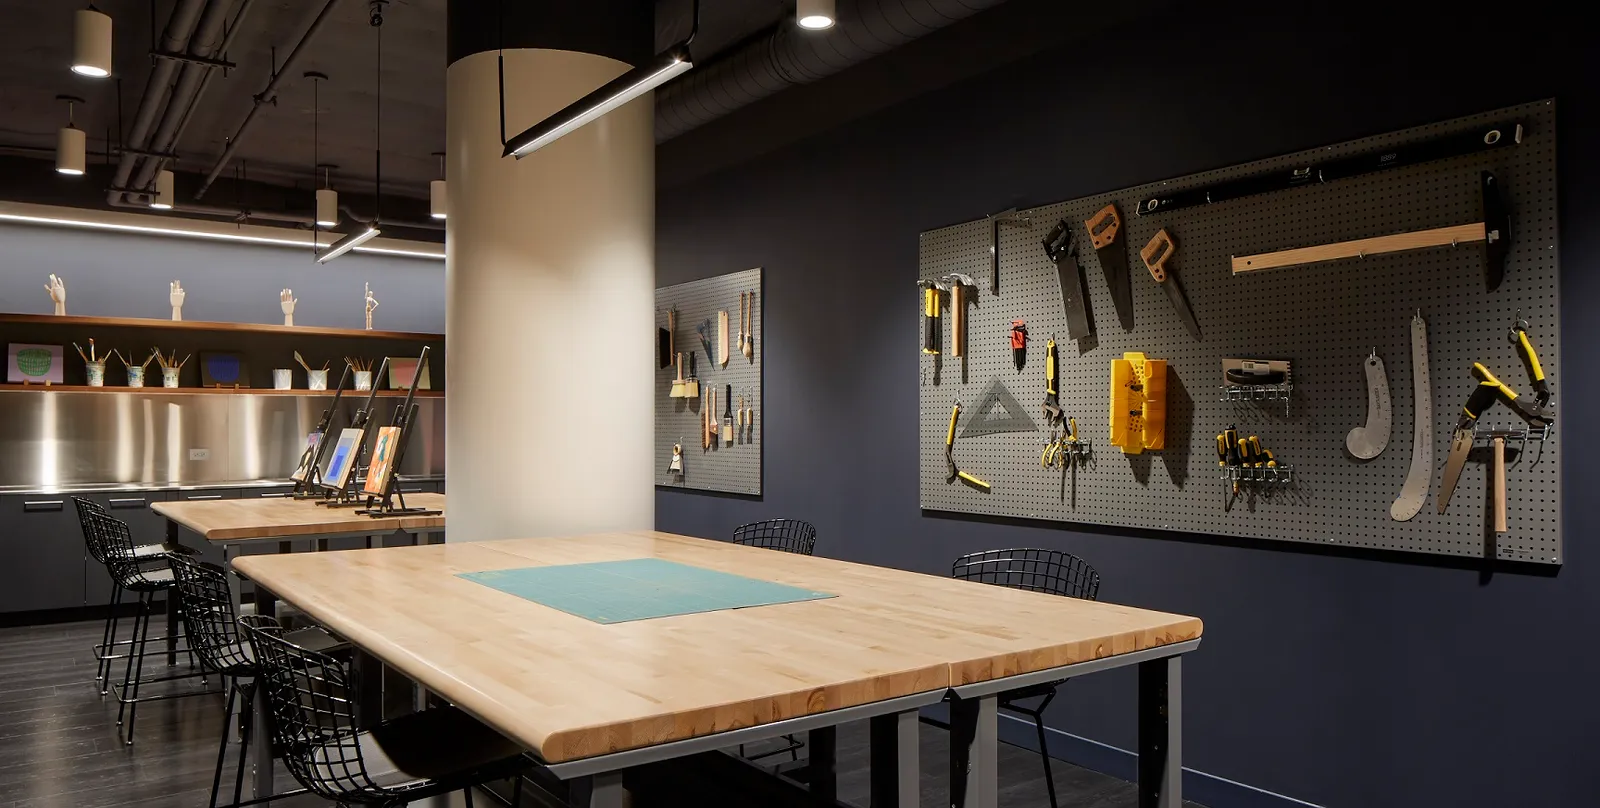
173,40
790,56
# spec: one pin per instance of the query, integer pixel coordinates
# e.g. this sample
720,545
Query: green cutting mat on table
637,589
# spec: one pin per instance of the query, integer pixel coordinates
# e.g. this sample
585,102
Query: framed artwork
402,371
342,458
223,369
307,457
382,467
42,363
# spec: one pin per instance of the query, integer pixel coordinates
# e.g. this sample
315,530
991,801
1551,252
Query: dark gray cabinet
147,527
208,551
41,553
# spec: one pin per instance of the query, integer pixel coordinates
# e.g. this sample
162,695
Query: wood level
198,325
1399,242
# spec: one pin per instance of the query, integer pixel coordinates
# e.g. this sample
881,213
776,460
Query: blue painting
223,369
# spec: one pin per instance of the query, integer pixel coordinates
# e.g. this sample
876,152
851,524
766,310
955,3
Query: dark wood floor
59,745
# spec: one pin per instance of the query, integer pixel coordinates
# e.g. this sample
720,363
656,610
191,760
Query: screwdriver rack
1258,394
1279,475
1522,436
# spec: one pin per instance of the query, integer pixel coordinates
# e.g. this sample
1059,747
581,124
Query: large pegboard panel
1325,318
730,467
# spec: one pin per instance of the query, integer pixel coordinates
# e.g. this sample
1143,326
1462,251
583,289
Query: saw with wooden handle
722,338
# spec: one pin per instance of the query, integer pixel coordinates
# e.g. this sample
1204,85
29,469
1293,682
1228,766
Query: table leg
895,770
369,689
974,753
598,791
822,751
235,583
322,545
172,602
260,743
1161,733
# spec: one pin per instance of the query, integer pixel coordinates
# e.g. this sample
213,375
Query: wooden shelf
199,325
206,391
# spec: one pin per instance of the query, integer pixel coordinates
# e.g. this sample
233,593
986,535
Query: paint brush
302,361
80,352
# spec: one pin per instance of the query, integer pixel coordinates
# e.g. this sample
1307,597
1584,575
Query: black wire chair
1052,572
783,535
145,574
313,721
95,544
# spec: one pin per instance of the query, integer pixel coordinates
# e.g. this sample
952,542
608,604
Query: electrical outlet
199,454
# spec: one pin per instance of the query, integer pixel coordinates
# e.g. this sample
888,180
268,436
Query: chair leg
127,670
1044,755
467,794
247,720
138,669
102,668
516,792
222,746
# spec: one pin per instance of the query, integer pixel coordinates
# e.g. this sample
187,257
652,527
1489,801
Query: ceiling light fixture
327,198
91,43
71,143
438,196
348,243
356,239
162,200
630,85
815,15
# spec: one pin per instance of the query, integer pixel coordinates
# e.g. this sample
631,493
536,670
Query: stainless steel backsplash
50,438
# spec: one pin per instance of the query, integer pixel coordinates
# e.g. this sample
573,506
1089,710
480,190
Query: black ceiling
36,49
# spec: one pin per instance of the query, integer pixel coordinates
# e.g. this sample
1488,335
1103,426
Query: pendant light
163,197
71,143
371,231
327,198
661,68
815,15
438,196
91,43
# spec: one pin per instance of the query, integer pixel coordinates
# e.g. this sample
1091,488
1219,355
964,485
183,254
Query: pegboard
1325,318
730,467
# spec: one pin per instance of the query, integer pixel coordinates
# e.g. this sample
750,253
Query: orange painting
382,467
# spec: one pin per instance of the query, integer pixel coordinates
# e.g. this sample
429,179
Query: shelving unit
200,325
210,391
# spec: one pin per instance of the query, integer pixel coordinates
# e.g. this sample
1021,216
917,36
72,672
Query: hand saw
1062,249
1156,254
1104,227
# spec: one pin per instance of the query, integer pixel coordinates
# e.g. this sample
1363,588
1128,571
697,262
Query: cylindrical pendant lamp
91,52
71,151
815,15
163,198
438,200
327,207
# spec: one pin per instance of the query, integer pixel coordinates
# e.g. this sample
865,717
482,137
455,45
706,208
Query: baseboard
1207,789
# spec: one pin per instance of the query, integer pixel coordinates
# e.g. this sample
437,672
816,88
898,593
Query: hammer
958,310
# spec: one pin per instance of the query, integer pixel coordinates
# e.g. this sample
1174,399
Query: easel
378,506
345,496
309,487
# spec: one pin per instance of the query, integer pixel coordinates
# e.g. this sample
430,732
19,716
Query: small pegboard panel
732,466
1325,318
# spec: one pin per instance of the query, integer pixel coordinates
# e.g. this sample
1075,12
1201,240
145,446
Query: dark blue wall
1340,678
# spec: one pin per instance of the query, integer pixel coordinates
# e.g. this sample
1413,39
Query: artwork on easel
223,369
402,371
382,466
307,458
35,364
342,459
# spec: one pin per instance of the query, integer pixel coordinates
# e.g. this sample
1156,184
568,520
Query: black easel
345,496
404,416
311,486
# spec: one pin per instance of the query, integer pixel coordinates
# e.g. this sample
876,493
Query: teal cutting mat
637,589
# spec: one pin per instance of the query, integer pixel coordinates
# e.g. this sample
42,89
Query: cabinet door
147,527
41,553
208,551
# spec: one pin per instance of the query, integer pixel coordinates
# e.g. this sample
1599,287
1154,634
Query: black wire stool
433,752
145,575
95,544
1052,572
783,535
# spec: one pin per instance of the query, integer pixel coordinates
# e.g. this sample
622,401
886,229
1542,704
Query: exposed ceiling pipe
208,41
266,96
790,56
174,39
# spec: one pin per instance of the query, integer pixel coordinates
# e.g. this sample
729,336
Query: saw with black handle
1062,249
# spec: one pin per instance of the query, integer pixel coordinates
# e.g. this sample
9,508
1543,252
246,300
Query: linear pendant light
348,243
71,143
661,68
91,43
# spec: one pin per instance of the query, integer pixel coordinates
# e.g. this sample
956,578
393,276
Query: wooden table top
567,688
226,520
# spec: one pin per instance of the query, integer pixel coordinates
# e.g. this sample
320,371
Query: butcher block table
589,698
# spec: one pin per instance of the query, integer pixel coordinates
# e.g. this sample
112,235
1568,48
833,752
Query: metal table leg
895,770
260,743
172,603
369,689
1161,733
974,735
599,791
821,747
235,583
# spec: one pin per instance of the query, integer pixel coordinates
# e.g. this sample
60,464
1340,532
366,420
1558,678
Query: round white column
551,286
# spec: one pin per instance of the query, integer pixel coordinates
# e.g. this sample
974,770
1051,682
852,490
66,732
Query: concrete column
551,277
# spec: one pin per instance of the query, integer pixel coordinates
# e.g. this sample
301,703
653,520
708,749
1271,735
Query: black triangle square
986,421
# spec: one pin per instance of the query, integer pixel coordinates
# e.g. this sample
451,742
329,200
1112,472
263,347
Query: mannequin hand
176,296
57,288
286,297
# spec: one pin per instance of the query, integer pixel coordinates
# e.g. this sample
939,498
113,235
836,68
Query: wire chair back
207,608
312,707
1050,571
783,535
87,513
129,569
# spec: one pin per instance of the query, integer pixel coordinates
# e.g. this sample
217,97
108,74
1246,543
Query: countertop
103,488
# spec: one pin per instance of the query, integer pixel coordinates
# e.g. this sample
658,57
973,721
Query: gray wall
126,275
1340,677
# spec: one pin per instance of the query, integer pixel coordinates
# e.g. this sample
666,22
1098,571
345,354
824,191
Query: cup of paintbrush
363,372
